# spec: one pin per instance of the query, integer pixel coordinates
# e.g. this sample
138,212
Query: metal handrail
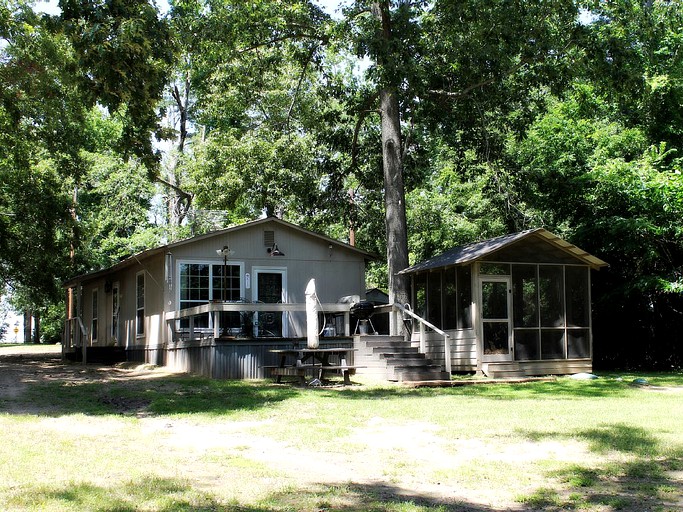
425,323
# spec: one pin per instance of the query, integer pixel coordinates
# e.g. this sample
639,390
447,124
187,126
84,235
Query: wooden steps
392,358
504,370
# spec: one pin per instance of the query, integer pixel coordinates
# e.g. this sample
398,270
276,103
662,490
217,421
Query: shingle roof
475,251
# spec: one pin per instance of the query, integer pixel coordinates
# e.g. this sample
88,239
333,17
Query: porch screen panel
525,296
495,338
420,300
434,298
450,297
551,295
577,297
578,344
527,344
464,304
552,344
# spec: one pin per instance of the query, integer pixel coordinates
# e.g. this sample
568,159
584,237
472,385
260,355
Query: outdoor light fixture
225,252
274,251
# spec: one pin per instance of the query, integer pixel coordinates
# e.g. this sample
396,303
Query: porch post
216,324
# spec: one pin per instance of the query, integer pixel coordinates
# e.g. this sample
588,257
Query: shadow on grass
176,495
163,495
169,395
645,481
562,388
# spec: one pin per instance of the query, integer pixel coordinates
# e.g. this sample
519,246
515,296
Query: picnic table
317,361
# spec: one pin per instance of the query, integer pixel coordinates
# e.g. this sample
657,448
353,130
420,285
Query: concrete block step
420,376
509,374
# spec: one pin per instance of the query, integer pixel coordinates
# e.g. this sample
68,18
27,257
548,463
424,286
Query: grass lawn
144,440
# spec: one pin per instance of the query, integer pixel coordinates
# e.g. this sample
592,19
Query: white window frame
115,311
210,263
140,326
94,306
285,296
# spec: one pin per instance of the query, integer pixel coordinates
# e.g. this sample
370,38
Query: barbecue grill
363,310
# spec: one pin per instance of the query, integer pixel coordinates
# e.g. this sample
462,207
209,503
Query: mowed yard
80,437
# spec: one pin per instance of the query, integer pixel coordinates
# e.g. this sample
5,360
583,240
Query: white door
270,287
496,318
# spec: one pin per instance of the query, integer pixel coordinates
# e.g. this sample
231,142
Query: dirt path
23,366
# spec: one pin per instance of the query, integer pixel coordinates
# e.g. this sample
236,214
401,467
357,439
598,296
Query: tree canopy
436,123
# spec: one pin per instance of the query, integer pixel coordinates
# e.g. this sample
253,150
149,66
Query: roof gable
137,258
532,246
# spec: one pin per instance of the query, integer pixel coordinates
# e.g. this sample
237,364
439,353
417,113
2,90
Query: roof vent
269,238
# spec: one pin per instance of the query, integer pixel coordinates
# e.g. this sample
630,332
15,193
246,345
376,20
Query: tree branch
470,88
185,195
299,35
298,85
356,130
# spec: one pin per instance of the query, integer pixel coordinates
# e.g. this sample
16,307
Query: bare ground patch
400,460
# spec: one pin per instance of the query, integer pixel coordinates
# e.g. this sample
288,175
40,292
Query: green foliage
124,52
615,193
52,323
40,116
619,194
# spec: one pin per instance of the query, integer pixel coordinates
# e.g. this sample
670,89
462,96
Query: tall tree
392,158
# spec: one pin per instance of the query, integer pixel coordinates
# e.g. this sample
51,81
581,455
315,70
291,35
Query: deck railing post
216,324
423,340
447,352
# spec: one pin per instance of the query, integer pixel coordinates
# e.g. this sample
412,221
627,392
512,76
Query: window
201,283
140,304
115,312
93,325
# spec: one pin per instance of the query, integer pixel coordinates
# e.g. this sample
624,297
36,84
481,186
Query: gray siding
463,349
221,360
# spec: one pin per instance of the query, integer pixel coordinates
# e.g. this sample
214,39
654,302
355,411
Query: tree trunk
394,200
36,330
394,191
27,326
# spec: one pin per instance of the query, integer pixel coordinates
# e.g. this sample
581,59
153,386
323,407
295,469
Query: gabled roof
485,249
136,258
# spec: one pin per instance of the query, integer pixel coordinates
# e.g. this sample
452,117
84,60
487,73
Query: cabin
513,306
216,304
232,304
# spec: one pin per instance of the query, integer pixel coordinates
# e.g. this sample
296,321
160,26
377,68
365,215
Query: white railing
249,308
423,325
75,333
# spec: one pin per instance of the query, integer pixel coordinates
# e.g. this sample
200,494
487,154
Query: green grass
564,444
